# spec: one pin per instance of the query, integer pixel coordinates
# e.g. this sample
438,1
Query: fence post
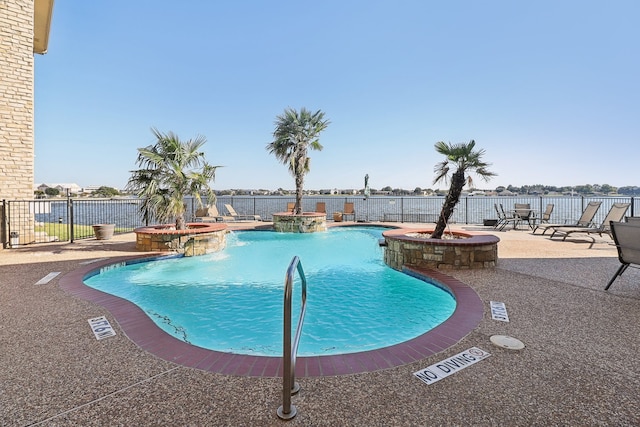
3,224
540,208
466,210
70,216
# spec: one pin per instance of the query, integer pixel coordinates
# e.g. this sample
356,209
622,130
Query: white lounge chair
232,212
210,214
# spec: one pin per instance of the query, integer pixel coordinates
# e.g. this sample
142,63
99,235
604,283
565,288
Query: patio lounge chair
626,236
585,219
291,206
238,217
321,207
615,214
210,214
349,210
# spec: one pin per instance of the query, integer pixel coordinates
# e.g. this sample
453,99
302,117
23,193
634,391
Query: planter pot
337,216
104,231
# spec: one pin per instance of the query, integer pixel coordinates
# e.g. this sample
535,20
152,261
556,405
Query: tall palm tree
171,170
466,160
296,133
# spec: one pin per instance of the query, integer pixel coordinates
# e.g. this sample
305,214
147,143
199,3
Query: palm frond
168,173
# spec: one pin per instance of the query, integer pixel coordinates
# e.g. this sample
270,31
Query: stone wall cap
192,227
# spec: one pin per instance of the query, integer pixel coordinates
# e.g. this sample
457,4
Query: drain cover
507,342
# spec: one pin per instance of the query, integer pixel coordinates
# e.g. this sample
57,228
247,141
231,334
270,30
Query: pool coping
140,329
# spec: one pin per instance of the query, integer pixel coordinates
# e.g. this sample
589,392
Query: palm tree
296,133
171,170
466,160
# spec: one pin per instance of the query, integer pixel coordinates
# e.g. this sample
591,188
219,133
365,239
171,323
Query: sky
549,89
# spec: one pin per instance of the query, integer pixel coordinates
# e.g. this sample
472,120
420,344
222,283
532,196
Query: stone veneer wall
472,252
197,241
16,106
308,222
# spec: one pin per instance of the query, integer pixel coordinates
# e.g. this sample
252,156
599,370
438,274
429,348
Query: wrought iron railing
68,219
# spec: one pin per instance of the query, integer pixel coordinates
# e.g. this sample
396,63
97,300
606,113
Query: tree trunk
180,223
452,199
299,187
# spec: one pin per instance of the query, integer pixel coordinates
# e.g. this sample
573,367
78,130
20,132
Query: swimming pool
231,301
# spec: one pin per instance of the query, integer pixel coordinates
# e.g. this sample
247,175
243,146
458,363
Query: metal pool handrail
289,351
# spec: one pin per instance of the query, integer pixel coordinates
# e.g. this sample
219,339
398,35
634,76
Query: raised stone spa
306,222
198,239
461,250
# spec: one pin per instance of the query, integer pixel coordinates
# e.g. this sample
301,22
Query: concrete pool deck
579,366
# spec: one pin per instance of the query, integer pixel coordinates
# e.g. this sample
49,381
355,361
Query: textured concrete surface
579,366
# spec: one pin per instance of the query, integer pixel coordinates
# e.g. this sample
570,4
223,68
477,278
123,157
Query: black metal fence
470,210
48,220
52,220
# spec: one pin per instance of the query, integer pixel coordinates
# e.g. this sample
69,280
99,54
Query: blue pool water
232,301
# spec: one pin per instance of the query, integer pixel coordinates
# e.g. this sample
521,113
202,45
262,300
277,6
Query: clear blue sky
550,89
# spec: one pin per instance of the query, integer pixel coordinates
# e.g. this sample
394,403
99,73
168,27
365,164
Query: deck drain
507,342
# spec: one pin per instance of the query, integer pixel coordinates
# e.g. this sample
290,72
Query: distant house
62,188
329,192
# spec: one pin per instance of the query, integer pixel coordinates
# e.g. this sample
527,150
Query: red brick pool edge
139,328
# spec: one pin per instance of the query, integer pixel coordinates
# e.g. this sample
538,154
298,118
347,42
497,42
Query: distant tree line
585,189
418,191
576,189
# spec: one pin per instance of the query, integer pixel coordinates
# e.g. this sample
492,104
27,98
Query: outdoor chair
349,210
626,236
210,214
523,212
585,220
321,207
633,219
545,217
239,217
501,217
615,214
291,206
504,219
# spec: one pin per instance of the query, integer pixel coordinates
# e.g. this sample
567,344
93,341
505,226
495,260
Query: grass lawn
62,230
